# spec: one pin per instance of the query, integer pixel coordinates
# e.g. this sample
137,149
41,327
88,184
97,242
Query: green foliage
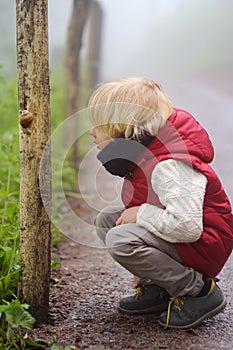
8,106
15,320
9,216
13,315
16,315
9,192
56,96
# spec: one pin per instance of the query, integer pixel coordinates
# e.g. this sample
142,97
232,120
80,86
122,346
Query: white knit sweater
181,191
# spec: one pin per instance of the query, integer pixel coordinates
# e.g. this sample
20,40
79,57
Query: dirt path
85,291
84,294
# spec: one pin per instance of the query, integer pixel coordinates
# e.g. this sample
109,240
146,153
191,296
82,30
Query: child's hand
128,216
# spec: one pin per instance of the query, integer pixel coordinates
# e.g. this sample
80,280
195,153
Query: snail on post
25,120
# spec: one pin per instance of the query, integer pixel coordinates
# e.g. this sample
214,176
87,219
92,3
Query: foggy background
185,45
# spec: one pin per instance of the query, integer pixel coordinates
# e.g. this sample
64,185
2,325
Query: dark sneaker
148,299
188,312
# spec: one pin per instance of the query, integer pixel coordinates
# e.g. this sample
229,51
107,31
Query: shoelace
180,301
138,293
177,302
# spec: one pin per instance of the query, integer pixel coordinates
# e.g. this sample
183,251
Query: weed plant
9,192
14,315
15,319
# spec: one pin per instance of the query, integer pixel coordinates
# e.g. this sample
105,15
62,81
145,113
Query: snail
25,120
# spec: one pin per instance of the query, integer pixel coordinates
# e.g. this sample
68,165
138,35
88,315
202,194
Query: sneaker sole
209,314
151,310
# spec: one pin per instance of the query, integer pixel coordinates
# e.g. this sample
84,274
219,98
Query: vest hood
183,138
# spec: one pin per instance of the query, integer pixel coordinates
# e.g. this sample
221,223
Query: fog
159,37
163,39
182,44
185,45
126,25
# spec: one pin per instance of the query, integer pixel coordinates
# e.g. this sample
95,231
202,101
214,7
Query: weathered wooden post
72,67
34,110
94,45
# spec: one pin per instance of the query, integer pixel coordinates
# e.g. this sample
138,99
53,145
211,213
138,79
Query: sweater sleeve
181,190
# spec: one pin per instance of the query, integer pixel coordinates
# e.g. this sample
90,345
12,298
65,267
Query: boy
175,229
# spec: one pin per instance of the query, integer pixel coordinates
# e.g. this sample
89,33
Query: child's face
100,139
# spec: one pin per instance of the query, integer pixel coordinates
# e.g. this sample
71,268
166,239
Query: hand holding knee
128,216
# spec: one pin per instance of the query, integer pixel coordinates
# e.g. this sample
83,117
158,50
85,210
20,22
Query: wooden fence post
34,110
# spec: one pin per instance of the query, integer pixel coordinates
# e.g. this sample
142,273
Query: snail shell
26,118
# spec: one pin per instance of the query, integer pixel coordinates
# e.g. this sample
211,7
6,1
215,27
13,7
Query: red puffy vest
183,138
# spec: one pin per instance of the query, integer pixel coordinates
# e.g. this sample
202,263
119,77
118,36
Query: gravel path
84,294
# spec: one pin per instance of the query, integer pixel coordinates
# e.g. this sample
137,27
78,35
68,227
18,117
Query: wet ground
87,286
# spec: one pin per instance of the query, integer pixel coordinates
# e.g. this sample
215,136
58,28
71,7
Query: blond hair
131,106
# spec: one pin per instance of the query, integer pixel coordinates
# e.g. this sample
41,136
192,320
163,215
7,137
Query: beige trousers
147,256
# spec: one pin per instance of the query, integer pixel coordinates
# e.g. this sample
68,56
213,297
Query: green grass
15,320
10,308
9,216
9,191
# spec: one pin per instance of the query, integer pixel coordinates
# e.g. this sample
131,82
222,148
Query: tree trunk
72,65
35,187
94,46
